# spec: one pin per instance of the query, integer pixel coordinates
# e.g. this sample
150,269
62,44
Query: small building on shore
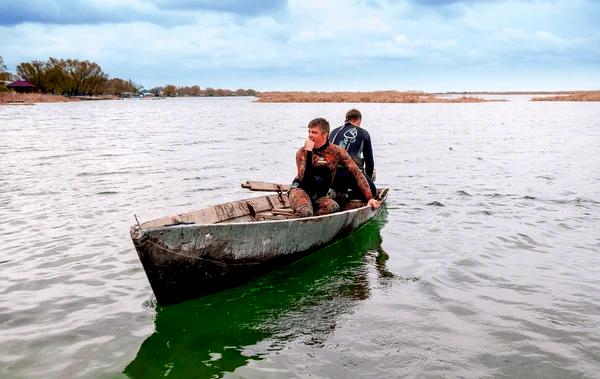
22,86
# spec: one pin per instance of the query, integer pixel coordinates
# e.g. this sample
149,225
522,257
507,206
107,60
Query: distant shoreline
12,98
578,96
361,97
415,97
514,92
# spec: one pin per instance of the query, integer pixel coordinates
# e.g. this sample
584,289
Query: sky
321,45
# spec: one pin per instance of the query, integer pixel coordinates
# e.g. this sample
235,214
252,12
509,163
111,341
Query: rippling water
486,264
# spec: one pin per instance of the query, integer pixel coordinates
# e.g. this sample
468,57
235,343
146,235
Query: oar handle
265,186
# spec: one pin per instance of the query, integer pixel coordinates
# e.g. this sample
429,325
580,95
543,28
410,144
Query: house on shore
22,86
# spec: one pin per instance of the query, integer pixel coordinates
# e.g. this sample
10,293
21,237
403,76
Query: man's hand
374,203
309,144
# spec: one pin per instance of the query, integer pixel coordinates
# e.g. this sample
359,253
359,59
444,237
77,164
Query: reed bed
361,97
577,96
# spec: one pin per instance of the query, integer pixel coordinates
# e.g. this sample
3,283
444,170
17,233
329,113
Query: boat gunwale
262,222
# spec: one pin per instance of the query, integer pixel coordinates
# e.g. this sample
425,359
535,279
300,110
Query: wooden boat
200,252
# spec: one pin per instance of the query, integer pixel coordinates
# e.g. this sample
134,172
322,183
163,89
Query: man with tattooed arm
317,162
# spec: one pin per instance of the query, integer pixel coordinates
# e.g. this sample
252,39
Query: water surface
485,265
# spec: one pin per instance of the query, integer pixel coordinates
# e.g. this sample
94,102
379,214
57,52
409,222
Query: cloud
162,12
304,43
400,39
78,12
239,7
447,2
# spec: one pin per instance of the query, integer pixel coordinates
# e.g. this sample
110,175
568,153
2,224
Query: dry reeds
577,96
360,97
30,98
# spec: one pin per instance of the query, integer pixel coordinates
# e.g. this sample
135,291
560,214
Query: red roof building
22,86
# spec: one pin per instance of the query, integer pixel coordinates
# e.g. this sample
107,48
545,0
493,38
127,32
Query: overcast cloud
430,45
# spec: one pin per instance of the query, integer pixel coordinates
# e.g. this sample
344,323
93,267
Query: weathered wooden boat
200,252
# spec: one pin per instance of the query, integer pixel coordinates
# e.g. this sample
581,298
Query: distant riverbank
417,97
577,96
32,98
362,97
12,98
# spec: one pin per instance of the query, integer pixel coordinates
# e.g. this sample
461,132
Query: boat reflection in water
213,335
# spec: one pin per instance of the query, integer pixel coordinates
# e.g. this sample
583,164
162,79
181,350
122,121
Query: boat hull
187,261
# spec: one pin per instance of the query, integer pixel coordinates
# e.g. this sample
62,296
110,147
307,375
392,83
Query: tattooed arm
348,163
304,165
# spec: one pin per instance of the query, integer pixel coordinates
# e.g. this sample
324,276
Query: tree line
73,77
64,76
171,90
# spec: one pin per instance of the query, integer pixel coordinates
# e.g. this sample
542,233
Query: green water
214,335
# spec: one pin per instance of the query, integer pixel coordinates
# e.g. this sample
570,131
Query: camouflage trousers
304,207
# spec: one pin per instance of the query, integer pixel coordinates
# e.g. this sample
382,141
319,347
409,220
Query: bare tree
170,90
